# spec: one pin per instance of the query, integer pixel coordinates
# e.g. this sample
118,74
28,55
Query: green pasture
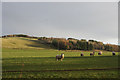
15,53
40,62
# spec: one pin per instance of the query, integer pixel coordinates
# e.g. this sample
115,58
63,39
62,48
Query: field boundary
61,70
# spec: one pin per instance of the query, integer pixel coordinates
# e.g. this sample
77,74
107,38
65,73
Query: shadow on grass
55,57
38,44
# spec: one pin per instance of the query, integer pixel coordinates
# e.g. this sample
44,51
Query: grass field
25,58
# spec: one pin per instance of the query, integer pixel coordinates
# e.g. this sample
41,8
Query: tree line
75,44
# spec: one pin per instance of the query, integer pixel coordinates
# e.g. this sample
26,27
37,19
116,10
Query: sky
80,20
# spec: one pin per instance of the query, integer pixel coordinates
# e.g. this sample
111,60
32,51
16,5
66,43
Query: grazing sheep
100,53
82,54
91,54
113,53
61,57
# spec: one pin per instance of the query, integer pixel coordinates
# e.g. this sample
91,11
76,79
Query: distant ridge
18,35
69,44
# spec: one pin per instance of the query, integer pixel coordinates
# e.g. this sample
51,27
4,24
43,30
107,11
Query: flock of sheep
61,57
99,53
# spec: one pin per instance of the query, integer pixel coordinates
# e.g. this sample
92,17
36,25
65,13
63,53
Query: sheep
100,53
91,54
82,54
113,53
61,57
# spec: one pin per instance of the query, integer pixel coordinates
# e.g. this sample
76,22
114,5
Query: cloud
79,20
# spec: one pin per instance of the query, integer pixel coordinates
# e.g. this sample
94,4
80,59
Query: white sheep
61,57
113,53
92,54
100,53
82,54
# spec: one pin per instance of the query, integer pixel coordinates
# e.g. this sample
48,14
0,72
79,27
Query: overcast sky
82,20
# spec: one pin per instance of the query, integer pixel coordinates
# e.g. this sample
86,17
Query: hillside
20,43
25,41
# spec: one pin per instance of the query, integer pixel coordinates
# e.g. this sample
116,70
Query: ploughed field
30,61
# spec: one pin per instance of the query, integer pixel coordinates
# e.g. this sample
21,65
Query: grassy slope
42,57
22,43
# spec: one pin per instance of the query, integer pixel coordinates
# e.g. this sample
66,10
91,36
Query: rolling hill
23,43
24,57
